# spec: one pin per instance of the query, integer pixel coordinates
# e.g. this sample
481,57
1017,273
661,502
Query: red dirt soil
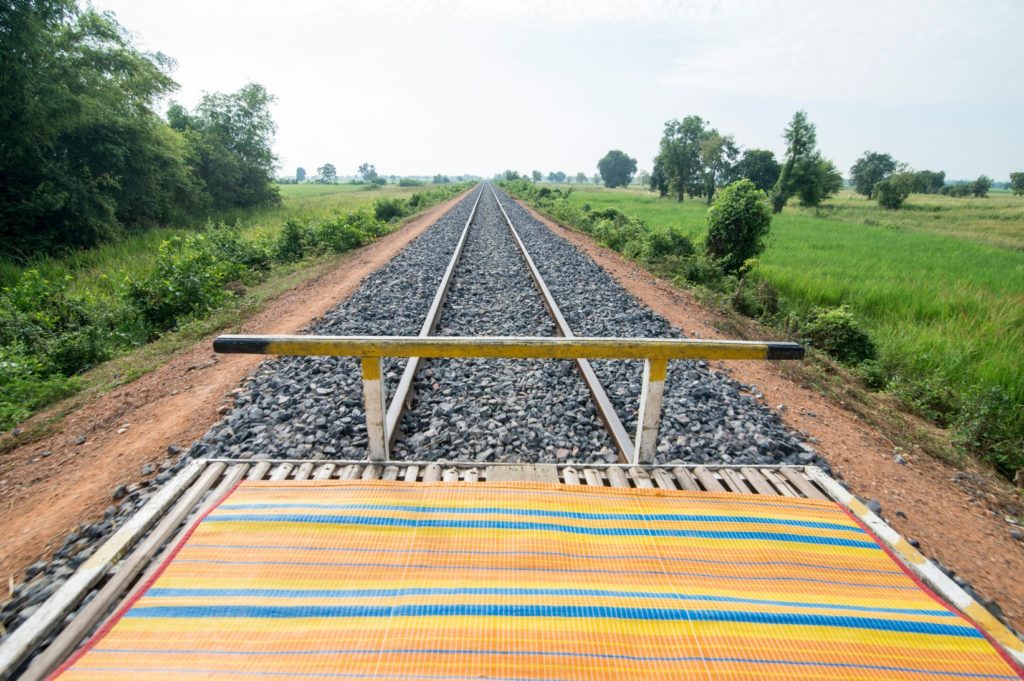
46,498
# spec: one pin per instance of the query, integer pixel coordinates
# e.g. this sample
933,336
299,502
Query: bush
836,332
188,279
293,243
991,425
894,190
738,223
26,385
67,333
388,209
666,242
409,182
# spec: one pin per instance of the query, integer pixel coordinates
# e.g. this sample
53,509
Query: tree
658,182
1017,183
596,179
558,177
929,182
232,138
616,169
368,172
441,179
328,173
760,167
300,174
82,151
738,222
513,175
980,187
805,173
643,178
678,164
537,177
870,169
892,191
718,155
581,178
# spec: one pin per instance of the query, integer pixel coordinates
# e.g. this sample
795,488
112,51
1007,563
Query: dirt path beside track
46,496
958,516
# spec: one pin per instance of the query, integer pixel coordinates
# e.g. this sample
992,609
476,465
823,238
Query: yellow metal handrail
656,353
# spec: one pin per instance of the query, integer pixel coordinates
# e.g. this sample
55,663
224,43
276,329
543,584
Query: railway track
465,411
486,269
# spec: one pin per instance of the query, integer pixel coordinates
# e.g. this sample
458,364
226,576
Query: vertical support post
651,395
373,402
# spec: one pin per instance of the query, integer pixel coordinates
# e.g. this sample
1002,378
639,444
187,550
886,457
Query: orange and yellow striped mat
389,580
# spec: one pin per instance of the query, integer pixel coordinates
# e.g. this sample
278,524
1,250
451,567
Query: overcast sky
471,86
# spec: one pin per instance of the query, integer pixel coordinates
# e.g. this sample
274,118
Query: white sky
471,86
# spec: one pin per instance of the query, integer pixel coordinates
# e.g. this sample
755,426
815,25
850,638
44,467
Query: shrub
894,190
836,332
992,425
293,243
188,278
227,243
666,242
388,209
26,385
409,182
738,223
67,333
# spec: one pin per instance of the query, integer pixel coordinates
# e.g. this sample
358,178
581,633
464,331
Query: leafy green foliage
837,332
805,173
616,168
389,209
760,167
85,154
1017,183
894,190
980,187
327,173
870,169
738,222
929,182
49,332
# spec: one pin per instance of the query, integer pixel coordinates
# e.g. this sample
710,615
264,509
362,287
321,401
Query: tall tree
300,174
760,167
328,173
368,172
657,181
616,168
981,186
1017,183
717,155
870,169
596,179
805,173
679,159
537,177
82,151
581,178
558,177
232,137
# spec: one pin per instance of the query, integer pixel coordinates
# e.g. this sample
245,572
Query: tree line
85,154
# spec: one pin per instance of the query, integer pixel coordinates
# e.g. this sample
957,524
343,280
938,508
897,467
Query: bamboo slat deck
130,556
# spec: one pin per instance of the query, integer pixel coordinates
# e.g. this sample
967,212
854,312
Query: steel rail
613,424
403,392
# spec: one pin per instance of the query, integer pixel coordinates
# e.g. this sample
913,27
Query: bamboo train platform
409,570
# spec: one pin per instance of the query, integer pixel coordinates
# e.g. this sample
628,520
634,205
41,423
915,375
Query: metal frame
656,353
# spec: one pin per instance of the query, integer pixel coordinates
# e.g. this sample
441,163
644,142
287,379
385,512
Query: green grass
100,269
939,285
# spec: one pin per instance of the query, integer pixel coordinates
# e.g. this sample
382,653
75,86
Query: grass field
939,285
95,269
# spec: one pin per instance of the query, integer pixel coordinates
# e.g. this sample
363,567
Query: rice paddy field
939,284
